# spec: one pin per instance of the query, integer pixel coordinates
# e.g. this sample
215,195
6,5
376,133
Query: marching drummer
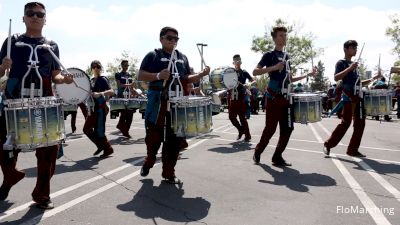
124,83
95,124
34,19
352,104
237,104
155,69
275,63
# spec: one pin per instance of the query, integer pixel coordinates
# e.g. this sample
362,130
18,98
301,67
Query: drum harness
173,92
358,86
286,91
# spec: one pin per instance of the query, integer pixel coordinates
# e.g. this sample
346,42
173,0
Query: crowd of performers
156,69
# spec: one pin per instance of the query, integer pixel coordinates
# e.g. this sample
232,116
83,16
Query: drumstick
9,46
359,57
48,47
312,61
201,56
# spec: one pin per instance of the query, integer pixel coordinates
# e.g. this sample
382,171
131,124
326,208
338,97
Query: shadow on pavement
167,202
237,146
296,181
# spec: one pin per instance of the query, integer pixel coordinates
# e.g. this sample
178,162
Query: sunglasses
170,38
96,67
31,13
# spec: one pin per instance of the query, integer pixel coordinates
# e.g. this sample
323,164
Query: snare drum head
230,78
72,94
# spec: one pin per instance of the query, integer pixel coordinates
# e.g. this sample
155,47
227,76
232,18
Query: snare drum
71,93
223,77
191,116
306,107
34,123
377,102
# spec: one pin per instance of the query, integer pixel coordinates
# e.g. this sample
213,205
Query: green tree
261,82
394,33
319,82
299,47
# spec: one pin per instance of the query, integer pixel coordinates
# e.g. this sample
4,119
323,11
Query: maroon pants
276,110
238,108
351,110
154,137
46,164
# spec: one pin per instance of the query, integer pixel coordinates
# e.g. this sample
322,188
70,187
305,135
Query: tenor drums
223,77
34,123
136,103
377,102
306,108
75,93
117,104
191,116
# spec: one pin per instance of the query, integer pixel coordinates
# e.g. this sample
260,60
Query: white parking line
310,151
91,194
376,215
385,184
69,189
61,208
78,200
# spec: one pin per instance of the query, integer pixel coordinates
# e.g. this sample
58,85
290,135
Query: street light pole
201,53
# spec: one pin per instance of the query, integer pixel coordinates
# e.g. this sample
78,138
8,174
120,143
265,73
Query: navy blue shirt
153,63
350,79
272,58
20,57
243,75
123,78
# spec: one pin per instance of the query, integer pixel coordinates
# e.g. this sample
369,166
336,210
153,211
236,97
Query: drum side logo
78,75
37,116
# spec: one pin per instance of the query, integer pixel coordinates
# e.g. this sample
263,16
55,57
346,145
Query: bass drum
77,91
223,77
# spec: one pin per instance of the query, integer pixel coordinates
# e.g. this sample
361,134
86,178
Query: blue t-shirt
157,60
123,78
272,58
243,75
99,84
350,79
20,57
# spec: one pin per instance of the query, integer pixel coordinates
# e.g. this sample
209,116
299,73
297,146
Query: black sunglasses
31,13
96,67
170,38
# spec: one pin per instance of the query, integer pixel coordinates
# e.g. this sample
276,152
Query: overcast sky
88,30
